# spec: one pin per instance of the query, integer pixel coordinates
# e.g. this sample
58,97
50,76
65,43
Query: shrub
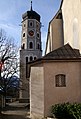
68,110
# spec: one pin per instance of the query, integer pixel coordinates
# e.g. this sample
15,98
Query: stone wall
37,92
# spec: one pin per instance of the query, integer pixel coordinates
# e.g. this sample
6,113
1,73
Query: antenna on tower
31,5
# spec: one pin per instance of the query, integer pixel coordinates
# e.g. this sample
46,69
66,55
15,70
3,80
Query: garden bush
67,110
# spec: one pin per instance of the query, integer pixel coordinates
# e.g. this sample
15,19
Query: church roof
61,3
31,14
65,51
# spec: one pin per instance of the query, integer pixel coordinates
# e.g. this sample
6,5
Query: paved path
15,110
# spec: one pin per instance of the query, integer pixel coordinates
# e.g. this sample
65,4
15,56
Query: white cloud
12,31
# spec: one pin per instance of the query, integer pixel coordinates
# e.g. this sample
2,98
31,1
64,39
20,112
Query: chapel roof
65,51
65,54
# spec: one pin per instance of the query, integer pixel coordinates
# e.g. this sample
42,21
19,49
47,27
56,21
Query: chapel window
60,80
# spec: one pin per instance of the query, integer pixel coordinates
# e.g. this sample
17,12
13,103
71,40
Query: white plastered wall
71,10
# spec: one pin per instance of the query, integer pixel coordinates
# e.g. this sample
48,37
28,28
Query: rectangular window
60,80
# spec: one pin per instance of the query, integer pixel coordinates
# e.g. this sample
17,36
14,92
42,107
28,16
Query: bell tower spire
31,6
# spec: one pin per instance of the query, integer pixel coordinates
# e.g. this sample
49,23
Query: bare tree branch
9,56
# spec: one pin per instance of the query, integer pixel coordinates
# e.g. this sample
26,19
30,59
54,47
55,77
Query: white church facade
54,79
69,16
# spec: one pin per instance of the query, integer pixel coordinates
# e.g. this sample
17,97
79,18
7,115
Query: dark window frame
60,80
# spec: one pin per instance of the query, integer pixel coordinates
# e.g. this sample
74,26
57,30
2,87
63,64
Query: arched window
26,59
31,45
23,46
60,80
31,58
23,34
31,24
35,58
38,46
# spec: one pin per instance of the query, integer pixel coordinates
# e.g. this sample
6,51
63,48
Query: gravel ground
15,110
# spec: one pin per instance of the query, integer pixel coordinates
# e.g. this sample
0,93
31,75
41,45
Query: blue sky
11,15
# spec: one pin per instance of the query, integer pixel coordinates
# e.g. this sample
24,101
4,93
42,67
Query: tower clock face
31,33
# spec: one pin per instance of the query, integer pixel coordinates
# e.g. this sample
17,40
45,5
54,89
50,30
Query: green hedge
67,110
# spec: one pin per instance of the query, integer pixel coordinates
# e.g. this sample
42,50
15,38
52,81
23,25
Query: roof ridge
61,3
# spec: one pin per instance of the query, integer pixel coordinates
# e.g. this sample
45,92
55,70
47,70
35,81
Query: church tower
30,46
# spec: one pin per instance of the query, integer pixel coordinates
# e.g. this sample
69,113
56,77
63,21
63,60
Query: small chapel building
55,78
